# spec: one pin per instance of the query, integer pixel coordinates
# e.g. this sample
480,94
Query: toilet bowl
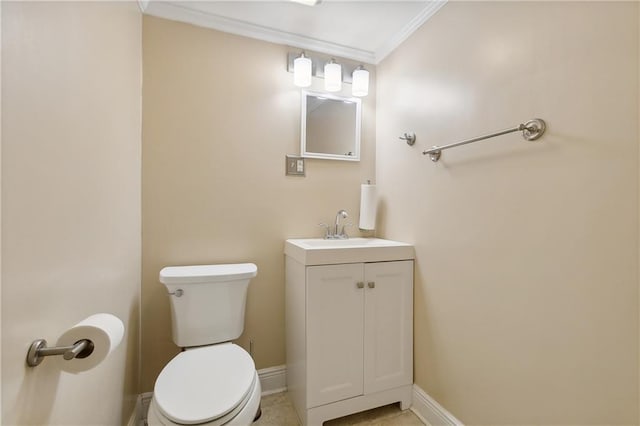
212,381
211,385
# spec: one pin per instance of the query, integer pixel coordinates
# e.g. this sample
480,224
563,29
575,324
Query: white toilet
212,381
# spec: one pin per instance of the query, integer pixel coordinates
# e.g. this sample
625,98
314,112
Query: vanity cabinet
349,337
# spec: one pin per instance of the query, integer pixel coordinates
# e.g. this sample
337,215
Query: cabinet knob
360,284
371,284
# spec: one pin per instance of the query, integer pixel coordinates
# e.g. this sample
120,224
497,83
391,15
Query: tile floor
277,410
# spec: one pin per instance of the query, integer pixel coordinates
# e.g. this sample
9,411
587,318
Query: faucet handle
327,231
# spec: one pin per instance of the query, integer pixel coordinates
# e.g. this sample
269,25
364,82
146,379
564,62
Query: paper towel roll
104,330
368,204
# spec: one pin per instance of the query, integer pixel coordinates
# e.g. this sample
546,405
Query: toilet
212,381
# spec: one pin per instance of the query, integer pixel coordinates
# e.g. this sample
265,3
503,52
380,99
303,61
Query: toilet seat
242,415
205,384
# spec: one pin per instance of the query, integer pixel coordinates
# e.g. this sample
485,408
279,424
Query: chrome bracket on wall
531,131
38,350
410,138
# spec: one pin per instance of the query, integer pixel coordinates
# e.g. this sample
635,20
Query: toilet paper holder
38,350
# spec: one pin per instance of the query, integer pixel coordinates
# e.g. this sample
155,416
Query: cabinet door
335,311
388,353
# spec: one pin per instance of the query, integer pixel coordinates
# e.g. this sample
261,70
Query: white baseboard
142,406
273,379
429,411
133,420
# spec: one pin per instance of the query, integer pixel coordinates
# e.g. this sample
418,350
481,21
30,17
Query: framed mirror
330,126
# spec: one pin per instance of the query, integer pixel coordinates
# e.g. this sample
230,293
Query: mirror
330,126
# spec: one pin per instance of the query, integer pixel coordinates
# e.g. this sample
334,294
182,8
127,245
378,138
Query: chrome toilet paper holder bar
38,350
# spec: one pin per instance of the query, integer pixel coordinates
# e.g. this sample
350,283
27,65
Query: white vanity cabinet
349,330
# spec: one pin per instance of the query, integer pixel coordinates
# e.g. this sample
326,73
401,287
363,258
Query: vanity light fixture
360,82
302,71
332,76
307,66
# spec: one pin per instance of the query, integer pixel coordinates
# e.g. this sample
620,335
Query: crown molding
430,9
142,5
178,12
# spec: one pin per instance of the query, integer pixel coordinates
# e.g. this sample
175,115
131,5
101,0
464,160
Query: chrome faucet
335,233
341,214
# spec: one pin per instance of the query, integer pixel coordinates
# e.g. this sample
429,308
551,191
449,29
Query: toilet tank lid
207,273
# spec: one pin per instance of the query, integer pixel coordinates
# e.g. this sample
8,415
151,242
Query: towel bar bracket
533,129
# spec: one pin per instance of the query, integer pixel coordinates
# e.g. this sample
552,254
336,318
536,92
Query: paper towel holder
38,350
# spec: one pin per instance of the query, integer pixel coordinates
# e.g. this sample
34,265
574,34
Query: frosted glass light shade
307,2
332,77
302,71
360,82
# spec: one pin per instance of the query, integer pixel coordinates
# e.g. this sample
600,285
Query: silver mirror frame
303,126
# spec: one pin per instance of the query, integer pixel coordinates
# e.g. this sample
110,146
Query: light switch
295,165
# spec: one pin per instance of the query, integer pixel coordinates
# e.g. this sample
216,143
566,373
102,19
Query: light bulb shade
307,2
332,77
360,82
302,71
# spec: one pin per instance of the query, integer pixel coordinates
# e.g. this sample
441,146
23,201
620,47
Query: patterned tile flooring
277,410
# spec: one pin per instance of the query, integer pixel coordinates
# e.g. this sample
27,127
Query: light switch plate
295,165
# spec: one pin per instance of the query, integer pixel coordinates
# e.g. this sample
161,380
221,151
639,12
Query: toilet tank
207,301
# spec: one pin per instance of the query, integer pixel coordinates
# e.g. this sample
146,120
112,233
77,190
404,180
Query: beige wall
220,112
71,115
527,271
526,308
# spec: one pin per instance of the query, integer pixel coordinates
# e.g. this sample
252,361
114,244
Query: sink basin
313,243
318,251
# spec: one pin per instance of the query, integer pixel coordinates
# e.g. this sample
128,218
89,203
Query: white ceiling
365,31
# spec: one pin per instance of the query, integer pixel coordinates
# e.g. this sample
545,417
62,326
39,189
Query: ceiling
361,30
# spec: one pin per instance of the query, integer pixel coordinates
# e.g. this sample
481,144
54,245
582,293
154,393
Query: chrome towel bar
38,350
531,130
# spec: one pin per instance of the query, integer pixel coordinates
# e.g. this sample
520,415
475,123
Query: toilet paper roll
368,205
104,330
